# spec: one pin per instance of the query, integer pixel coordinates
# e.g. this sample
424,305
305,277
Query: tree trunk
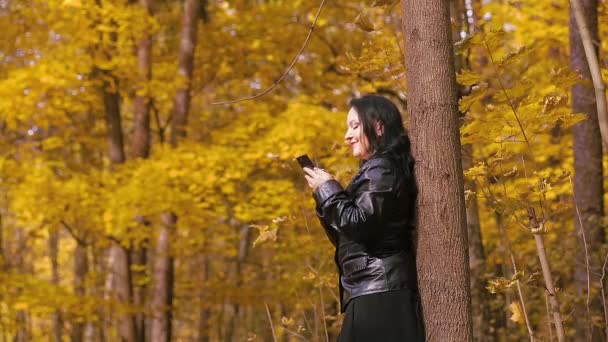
119,276
432,103
141,114
80,272
186,66
477,259
3,262
163,282
204,313
588,182
23,333
141,149
53,253
243,249
163,269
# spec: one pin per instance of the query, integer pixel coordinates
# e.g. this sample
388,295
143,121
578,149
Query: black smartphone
304,161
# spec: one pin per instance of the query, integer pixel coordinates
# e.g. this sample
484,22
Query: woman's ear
379,128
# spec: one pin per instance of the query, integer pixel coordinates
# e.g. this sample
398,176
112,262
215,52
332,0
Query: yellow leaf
516,314
468,77
478,170
477,94
52,143
364,21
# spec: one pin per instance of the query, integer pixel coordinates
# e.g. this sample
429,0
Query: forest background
135,205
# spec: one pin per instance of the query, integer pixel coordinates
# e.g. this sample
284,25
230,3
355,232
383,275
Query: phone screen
304,161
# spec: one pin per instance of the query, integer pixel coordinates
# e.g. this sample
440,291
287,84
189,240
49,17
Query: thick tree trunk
432,103
80,272
53,253
588,182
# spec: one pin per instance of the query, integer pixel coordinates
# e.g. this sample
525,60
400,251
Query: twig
274,336
79,240
506,241
544,263
504,90
594,69
293,63
580,221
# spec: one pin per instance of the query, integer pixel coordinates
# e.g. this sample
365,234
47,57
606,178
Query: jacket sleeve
359,214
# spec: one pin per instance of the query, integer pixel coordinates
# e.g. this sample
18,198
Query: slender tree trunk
477,259
2,256
23,333
141,115
119,277
432,103
80,272
187,48
54,252
243,249
588,182
204,330
163,270
141,149
163,284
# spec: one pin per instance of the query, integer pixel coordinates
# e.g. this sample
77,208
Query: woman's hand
316,177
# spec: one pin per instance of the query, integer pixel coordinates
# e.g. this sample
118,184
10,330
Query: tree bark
588,181
119,277
141,112
204,330
163,282
163,269
80,271
432,103
186,66
23,333
141,149
53,253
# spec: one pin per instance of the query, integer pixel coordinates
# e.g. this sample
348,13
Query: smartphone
304,161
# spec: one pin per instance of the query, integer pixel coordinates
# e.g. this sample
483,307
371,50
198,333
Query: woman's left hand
316,177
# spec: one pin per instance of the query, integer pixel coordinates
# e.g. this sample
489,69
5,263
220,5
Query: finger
309,179
309,171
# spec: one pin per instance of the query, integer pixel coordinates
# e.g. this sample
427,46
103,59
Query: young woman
370,223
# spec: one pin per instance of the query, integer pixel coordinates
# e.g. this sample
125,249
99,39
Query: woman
370,223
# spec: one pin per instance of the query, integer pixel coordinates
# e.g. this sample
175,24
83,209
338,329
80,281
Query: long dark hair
394,141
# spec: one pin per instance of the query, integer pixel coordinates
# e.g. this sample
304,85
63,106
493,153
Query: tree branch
293,63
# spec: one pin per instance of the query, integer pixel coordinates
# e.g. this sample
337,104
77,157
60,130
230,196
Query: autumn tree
442,258
588,184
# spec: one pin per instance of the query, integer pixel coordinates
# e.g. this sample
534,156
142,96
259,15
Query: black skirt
386,316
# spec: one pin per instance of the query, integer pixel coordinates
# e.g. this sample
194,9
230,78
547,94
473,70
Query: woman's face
355,136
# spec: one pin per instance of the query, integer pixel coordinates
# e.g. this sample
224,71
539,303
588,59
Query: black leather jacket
370,227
